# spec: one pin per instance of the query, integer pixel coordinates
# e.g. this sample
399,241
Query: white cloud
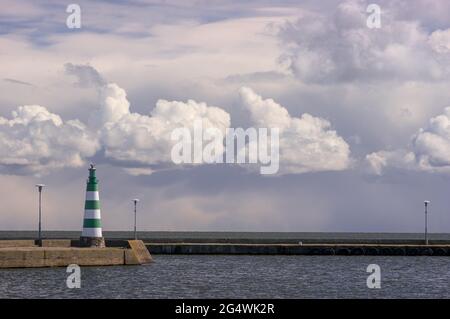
138,171
429,150
146,139
113,106
326,48
307,144
378,161
440,41
432,144
36,140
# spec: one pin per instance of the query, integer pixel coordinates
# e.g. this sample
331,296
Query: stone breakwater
53,253
299,249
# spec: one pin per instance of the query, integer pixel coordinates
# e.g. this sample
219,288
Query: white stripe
92,232
92,214
92,196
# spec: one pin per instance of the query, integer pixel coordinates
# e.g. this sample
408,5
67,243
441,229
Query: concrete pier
59,253
250,244
296,249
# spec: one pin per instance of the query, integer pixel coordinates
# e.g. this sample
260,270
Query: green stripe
92,204
92,187
92,223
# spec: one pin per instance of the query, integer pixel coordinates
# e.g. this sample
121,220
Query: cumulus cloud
429,150
378,162
87,76
324,48
35,140
440,41
146,139
307,144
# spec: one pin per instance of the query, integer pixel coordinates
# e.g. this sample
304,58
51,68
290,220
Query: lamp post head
426,202
136,200
40,186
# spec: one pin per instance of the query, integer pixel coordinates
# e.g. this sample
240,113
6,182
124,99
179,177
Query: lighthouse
92,226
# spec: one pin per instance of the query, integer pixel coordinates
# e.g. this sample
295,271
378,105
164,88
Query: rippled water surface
206,276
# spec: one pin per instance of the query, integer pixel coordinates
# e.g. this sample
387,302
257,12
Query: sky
364,113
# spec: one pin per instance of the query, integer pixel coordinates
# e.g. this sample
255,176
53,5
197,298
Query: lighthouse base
92,242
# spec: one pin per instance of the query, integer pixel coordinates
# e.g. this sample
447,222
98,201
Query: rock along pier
297,249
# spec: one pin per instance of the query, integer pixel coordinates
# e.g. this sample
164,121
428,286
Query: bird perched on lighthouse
92,225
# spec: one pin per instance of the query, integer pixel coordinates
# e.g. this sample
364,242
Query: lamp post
40,187
426,221
135,201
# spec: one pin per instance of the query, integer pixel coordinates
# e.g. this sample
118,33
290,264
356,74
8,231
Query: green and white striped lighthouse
92,225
